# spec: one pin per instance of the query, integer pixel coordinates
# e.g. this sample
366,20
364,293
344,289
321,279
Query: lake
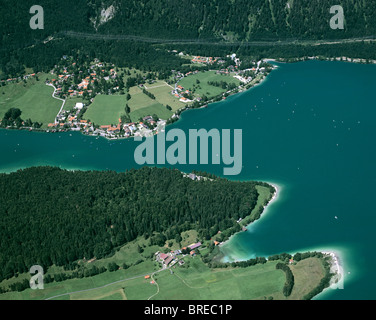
309,128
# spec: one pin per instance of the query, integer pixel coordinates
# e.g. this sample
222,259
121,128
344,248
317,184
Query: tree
12,114
112,266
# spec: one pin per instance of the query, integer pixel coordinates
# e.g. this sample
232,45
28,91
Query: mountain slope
126,23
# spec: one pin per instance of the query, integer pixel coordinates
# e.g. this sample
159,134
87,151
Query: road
214,41
53,96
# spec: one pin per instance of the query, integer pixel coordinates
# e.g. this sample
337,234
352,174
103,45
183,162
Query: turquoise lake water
309,128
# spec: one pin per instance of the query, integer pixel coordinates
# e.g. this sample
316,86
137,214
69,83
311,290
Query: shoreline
336,267
265,207
336,260
240,89
322,58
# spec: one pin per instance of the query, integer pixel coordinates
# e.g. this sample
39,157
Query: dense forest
136,33
53,216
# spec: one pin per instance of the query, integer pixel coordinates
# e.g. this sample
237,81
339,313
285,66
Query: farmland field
138,99
193,281
163,95
200,282
198,83
155,108
142,105
106,109
33,98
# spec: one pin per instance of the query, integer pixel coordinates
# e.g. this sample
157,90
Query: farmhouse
167,261
194,245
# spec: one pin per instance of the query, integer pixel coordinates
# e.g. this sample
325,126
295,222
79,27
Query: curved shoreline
335,256
274,197
336,267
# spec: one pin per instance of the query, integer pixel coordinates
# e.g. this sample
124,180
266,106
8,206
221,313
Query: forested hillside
123,32
53,216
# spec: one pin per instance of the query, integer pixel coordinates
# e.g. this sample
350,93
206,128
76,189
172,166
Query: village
69,121
77,82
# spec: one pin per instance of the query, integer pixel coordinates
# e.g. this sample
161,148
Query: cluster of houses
25,77
242,75
88,79
68,120
205,60
148,125
126,130
182,94
171,258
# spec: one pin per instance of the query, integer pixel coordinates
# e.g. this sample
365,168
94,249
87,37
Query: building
167,261
194,245
192,176
79,105
163,256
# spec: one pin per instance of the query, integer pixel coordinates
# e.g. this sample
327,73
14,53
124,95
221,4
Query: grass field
141,105
203,88
106,109
155,108
199,282
307,274
162,92
34,99
196,282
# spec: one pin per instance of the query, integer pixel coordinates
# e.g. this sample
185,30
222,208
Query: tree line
289,283
13,118
223,84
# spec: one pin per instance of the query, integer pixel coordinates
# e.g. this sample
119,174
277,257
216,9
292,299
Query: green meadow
33,98
198,282
106,109
198,83
142,105
155,108
192,281
162,92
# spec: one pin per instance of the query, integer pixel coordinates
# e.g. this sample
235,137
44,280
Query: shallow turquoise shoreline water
309,128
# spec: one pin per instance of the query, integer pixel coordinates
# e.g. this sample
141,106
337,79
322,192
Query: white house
79,105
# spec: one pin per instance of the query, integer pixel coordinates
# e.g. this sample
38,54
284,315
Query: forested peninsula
53,216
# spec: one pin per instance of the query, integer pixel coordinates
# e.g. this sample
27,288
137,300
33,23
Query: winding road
53,96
